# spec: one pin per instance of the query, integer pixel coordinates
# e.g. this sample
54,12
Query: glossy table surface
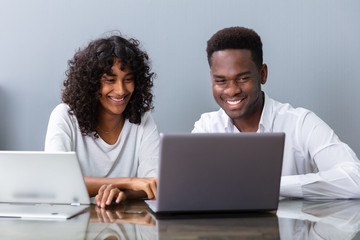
295,219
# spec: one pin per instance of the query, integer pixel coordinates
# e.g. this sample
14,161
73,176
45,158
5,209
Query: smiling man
316,163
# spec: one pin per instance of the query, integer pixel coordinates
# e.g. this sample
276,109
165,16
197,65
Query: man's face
236,82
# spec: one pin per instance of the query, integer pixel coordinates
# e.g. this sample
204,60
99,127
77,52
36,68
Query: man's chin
234,115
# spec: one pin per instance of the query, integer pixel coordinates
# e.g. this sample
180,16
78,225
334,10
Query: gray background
312,49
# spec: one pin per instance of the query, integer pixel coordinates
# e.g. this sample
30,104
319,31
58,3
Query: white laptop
219,172
41,185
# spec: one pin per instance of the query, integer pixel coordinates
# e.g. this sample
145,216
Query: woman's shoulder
62,107
146,121
61,111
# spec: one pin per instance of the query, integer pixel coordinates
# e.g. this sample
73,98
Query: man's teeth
234,102
117,99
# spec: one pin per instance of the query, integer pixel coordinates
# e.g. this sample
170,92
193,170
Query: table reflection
336,219
124,221
219,226
136,221
19,229
295,219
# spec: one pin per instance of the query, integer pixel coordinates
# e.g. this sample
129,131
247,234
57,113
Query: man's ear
263,73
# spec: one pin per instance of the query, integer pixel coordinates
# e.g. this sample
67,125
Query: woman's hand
148,185
108,194
134,187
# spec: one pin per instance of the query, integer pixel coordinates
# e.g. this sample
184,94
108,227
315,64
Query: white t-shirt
135,154
316,163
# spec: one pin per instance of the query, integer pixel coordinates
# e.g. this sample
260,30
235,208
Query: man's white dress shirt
316,163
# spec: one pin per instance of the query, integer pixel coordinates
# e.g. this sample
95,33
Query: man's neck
250,123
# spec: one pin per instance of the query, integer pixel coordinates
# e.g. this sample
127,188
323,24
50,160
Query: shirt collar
229,125
265,124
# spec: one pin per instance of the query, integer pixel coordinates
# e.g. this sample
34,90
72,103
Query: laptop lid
41,178
219,172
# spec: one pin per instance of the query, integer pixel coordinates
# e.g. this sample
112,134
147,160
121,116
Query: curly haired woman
105,119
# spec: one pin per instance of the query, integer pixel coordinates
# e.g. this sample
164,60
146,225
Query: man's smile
234,102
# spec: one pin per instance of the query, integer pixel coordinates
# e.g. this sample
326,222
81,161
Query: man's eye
220,81
129,79
242,79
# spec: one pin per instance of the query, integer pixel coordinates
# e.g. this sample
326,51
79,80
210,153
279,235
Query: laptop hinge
75,204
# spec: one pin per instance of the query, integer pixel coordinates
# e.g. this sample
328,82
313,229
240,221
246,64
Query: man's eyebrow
218,76
237,75
243,73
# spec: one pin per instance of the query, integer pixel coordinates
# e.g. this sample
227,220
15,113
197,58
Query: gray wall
312,49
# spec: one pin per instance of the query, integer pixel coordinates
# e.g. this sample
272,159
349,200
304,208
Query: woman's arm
108,194
146,185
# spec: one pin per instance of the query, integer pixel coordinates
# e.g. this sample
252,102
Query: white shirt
316,163
135,154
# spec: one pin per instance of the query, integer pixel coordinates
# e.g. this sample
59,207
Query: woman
105,119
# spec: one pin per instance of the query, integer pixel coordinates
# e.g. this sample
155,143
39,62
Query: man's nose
232,88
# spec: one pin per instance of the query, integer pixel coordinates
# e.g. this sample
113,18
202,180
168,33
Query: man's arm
338,174
342,181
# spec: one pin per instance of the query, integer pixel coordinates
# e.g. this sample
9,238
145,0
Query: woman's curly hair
82,85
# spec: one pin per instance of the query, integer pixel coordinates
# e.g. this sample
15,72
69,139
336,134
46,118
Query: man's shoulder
284,114
214,115
215,121
279,108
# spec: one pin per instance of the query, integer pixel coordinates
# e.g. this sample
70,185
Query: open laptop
219,172
41,185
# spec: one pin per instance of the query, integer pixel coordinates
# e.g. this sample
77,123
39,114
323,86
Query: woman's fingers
107,194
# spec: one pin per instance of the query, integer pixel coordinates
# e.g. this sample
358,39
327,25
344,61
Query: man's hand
107,194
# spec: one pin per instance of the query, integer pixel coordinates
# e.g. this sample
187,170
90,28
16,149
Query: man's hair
82,85
236,38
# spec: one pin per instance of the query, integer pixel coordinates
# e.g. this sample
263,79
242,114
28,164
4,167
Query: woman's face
116,89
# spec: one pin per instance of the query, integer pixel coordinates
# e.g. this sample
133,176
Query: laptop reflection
19,229
217,226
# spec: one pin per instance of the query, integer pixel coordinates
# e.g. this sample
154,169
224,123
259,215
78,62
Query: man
316,163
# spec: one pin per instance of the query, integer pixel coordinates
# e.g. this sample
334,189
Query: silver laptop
219,172
41,185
